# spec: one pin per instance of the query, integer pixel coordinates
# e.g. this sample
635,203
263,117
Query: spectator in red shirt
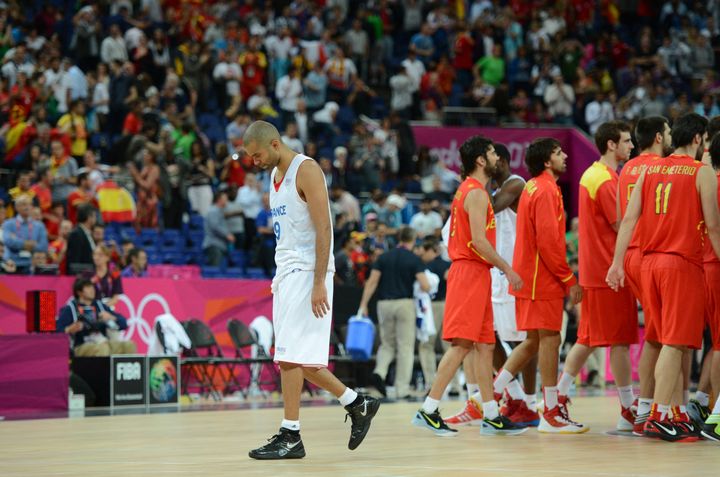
133,121
80,196
23,94
463,61
57,250
43,190
53,219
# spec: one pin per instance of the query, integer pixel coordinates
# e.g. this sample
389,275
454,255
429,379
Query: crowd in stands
152,97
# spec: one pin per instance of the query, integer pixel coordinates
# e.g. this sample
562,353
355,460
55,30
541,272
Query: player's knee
284,366
464,345
485,349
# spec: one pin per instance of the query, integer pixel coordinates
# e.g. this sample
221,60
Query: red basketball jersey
628,178
597,211
672,218
460,246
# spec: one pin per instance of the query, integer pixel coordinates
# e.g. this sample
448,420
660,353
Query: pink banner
213,301
34,375
444,143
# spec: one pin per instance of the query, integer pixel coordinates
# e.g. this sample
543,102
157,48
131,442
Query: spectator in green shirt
491,68
184,137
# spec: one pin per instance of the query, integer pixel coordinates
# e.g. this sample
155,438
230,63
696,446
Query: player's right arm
369,290
508,194
708,186
616,274
476,204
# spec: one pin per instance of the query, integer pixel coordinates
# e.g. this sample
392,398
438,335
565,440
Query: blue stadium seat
172,240
196,222
151,249
234,272
208,271
194,240
239,258
255,273
175,258
155,258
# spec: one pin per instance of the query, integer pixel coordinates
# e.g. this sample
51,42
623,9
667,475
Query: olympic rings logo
135,320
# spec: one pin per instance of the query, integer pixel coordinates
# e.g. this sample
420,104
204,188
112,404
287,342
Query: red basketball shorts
468,303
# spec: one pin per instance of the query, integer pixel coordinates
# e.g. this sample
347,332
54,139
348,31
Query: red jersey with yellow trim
709,254
597,211
539,256
460,245
628,178
671,218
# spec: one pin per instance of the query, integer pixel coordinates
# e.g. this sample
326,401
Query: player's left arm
618,209
507,195
708,187
616,274
311,187
476,204
607,200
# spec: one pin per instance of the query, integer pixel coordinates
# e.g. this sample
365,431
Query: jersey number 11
662,197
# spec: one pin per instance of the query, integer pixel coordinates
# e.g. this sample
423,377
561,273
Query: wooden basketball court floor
215,443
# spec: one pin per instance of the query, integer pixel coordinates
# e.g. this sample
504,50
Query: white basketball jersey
505,233
293,227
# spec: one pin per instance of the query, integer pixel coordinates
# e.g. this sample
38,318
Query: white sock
644,405
551,397
490,409
664,410
515,390
502,380
682,409
716,408
472,388
348,397
476,396
626,396
531,401
564,383
430,405
686,396
292,425
702,398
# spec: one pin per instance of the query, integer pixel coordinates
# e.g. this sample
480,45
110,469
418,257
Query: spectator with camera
92,326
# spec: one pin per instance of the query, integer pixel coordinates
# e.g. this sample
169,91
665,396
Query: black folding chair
204,361
243,337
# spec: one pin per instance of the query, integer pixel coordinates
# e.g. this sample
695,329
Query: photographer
91,324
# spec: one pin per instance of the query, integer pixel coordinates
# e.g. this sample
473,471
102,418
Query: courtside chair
206,361
244,341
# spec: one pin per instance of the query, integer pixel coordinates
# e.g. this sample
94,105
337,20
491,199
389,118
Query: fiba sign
138,380
127,380
128,371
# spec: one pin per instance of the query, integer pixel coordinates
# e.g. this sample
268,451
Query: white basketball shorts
504,309
300,337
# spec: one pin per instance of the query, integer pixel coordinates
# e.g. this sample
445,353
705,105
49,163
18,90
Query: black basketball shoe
286,444
361,415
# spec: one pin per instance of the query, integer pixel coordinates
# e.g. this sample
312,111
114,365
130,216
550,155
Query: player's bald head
261,133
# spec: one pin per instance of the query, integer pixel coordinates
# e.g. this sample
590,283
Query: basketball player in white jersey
520,407
302,289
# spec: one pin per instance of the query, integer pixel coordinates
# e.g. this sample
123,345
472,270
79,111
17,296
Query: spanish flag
116,203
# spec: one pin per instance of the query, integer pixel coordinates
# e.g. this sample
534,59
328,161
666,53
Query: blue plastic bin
360,338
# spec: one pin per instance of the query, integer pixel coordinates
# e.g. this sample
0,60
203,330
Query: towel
424,319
